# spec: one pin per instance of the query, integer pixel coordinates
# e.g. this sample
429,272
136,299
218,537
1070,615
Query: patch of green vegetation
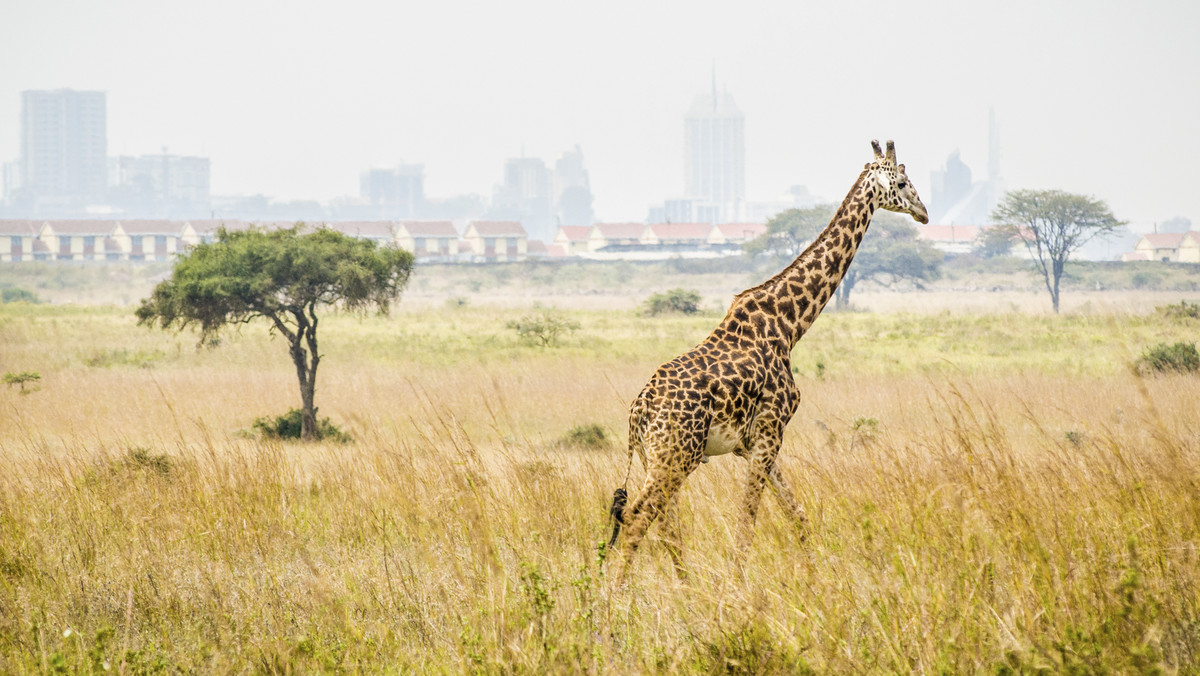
20,379
18,295
675,301
142,359
1174,358
288,425
590,436
1184,310
545,328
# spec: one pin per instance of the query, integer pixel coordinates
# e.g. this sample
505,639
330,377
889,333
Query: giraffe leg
787,498
661,485
672,539
756,480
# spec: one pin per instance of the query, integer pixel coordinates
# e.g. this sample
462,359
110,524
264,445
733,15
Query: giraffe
734,392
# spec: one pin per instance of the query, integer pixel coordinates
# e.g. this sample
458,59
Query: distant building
17,240
64,150
1167,247
956,198
428,239
160,184
951,239
604,235
396,192
572,190
714,156
526,196
496,241
573,238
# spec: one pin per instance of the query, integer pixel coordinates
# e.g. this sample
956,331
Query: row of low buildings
478,241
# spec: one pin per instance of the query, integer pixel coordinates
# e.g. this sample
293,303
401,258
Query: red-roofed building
151,240
497,240
16,240
735,233
573,238
428,239
949,238
1168,247
677,234
381,232
614,234
75,240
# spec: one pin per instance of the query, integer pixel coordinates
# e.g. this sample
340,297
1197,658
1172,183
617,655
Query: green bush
543,329
18,295
1163,358
287,426
1184,310
586,436
675,301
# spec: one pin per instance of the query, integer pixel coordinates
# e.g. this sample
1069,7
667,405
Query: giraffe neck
805,286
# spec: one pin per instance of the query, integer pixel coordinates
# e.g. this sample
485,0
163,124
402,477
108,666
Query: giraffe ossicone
734,392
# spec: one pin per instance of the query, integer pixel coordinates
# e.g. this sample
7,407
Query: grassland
987,491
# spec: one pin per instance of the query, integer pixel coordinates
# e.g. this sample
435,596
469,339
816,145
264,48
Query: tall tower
64,147
714,151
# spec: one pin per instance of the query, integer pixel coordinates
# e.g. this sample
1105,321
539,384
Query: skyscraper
64,147
715,152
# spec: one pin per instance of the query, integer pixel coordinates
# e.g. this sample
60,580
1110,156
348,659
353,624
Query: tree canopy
282,276
890,251
1052,225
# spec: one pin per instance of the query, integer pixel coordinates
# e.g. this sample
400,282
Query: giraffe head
897,192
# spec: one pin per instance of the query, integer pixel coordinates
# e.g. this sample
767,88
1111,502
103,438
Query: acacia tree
1052,225
890,251
282,276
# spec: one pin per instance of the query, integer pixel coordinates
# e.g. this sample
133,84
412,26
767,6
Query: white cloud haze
294,99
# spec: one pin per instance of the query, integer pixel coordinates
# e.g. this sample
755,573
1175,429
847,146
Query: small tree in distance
1052,225
282,276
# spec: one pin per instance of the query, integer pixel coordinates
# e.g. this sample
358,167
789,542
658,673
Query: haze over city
295,100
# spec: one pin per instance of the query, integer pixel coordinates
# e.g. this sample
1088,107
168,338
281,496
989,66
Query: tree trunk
1058,272
306,361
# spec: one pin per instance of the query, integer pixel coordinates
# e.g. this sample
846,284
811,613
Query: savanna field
990,489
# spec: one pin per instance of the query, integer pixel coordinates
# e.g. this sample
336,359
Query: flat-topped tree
1052,225
282,276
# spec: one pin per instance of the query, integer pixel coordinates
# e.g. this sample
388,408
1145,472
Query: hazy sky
293,99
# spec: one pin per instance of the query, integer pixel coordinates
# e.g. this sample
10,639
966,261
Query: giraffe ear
891,152
877,149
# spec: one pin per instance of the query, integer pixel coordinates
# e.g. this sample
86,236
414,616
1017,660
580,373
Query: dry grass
986,493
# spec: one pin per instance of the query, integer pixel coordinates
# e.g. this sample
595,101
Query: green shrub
1184,310
287,426
675,301
18,295
1163,358
586,436
141,458
543,329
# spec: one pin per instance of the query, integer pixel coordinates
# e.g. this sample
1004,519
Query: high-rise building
161,184
526,196
572,190
64,148
715,153
400,192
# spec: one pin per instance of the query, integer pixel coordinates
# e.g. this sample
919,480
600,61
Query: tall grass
1039,511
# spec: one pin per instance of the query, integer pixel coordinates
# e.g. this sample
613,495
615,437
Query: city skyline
1095,98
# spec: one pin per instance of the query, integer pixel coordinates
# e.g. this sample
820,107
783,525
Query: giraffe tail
617,511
